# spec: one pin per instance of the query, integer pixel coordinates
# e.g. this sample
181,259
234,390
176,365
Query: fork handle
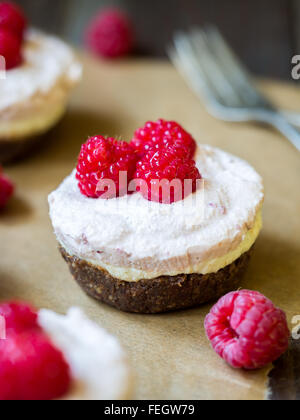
292,117
287,129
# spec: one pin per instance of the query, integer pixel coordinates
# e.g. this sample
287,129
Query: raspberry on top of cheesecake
46,356
137,237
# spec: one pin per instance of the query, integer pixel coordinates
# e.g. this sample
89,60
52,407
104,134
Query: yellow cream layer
38,123
204,267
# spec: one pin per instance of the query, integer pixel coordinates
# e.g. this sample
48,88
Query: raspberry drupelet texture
159,168
162,134
19,317
247,330
12,19
103,159
10,49
110,34
31,368
6,189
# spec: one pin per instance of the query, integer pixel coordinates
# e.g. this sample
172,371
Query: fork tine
213,70
196,81
233,68
184,59
215,35
207,70
182,54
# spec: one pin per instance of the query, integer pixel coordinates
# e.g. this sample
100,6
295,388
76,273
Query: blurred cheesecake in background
41,71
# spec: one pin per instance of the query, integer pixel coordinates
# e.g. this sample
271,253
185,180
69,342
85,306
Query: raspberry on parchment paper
6,189
247,330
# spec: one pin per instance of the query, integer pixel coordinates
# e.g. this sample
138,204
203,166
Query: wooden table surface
169,353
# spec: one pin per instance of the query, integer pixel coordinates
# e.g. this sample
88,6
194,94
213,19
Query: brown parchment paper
169,353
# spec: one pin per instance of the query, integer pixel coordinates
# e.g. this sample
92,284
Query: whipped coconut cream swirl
133,238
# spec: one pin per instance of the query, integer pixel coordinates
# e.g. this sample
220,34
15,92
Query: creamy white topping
96,359
210,265
46,60
161,238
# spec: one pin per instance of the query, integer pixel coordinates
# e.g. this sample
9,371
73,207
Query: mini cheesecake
146,257
34,96
98,364
47,356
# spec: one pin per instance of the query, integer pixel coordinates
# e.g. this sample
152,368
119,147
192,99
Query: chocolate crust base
163,294
11,151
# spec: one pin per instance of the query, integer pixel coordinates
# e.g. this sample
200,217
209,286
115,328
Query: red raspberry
10,49
163,166
12,19
103,159
19,317
155,135
247,330
110,34
31,368
6,190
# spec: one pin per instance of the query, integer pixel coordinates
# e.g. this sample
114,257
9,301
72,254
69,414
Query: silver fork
216,74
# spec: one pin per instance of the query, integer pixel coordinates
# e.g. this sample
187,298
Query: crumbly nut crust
162,294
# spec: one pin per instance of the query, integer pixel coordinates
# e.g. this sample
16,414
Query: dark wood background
265,33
